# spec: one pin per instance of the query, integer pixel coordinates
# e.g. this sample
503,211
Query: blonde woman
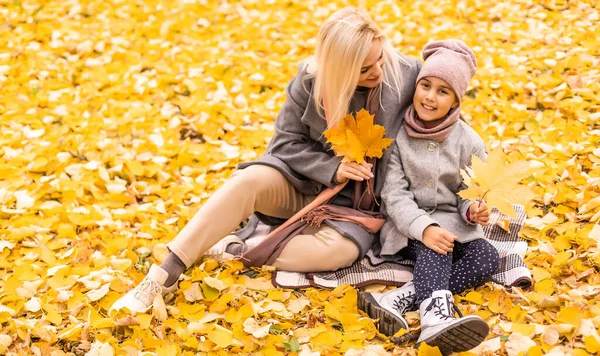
354,67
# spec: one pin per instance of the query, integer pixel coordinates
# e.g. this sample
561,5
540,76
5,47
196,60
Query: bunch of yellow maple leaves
356,138
119,118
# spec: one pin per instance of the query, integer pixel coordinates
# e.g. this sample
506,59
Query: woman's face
433,100
371,72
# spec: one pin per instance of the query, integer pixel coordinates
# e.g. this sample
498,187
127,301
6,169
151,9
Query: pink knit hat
450,60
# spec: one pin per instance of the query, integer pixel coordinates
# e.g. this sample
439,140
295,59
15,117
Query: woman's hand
439,239
354,171
479,213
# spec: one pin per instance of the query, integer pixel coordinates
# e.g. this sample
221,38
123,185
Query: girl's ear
455,103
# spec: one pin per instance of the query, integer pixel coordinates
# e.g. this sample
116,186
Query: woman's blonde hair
344,43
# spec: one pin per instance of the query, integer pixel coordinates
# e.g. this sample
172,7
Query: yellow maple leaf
426,350
592,344
220,336
500,302
497,182
357,138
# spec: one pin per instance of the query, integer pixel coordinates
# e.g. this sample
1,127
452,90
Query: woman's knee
347,251
257,177
318,250
338,251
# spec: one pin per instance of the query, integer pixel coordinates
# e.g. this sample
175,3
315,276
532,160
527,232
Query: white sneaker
218,250
140,298
389,307
439,326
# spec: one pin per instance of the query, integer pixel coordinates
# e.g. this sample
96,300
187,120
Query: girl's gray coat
422,184
300,152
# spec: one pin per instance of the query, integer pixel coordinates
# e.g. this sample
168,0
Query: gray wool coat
422,184
300,152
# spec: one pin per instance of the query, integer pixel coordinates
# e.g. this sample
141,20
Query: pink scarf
416,129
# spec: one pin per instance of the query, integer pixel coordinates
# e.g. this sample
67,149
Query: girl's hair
343,45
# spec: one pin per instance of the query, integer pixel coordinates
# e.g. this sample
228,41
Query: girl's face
371,72
433,100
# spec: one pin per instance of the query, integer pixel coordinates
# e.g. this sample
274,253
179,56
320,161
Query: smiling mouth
431,108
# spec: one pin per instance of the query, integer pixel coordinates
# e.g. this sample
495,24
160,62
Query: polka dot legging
468,265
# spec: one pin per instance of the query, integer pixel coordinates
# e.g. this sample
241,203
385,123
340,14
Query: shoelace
436,306
240,258
457,310
147,290
453,306
404,301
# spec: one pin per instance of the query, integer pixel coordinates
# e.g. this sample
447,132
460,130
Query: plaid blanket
371,269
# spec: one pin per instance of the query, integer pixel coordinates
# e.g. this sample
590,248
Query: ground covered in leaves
119,118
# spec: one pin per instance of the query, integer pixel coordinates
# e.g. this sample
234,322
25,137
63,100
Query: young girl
354,67
427,220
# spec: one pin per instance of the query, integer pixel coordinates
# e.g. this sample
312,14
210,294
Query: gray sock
236,249
174,267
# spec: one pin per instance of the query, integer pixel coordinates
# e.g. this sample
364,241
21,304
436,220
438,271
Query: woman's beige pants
265,190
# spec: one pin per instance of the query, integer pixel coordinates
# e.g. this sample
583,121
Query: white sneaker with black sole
389,307
439,326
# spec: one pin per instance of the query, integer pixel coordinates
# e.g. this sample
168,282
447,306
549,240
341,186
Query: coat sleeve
400,202
292,142
477,149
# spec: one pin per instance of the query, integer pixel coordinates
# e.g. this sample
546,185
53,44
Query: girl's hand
354,171
439,239
479,213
